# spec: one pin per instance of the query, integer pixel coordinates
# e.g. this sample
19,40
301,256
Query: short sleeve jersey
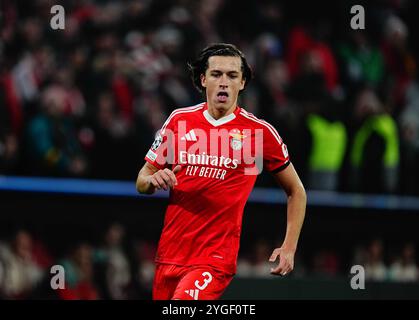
220,160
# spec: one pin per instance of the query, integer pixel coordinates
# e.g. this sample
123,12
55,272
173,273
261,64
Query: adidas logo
193,293
190,136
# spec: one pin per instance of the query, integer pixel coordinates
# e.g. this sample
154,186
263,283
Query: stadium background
79,108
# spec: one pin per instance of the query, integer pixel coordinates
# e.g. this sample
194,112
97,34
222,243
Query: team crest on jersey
157,142
236,141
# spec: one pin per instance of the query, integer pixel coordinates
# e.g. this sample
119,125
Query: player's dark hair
200,65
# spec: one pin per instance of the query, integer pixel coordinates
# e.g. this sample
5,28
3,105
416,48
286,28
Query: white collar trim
220,121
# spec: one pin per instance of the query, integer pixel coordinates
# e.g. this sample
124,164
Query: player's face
223,81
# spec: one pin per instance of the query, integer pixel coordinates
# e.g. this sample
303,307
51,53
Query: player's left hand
286,261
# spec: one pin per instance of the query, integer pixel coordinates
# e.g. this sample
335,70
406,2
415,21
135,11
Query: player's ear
242,83
203,81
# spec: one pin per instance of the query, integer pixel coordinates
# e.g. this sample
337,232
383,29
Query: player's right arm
159,171
151,178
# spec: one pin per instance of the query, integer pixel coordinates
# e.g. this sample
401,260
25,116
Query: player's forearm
296,208
144,185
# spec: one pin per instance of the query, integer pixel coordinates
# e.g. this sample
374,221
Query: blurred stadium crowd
118,267
86,102
113,267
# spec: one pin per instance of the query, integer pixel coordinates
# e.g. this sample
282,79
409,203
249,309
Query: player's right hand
164,179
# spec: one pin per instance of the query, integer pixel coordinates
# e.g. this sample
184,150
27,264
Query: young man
209,156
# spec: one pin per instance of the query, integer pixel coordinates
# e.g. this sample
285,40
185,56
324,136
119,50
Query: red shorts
173,282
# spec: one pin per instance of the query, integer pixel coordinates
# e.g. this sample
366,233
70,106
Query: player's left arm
296,206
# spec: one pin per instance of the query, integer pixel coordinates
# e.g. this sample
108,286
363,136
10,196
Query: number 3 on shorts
207,279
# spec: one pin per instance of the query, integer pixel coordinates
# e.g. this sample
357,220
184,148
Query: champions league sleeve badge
236,141
157,142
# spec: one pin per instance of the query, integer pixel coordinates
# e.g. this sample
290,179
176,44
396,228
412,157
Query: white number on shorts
207,280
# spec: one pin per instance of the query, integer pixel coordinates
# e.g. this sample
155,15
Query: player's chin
221,105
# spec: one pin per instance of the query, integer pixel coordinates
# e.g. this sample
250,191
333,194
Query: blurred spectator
20,272
307,94
405,268
362,62
256,262
9,153
325,263
206,13
146,252
409,136
244,267
74,104
274,87
113,141
260,259
11,124
79,274
328,145
374,154
308,52
399,61
52,141
359,255
375,268
112,256
11,109
149,109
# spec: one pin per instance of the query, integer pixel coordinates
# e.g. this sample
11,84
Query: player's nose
224,81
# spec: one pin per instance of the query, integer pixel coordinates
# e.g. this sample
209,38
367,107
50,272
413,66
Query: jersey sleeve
275,152
161,152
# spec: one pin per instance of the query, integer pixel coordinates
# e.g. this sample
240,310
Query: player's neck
218,113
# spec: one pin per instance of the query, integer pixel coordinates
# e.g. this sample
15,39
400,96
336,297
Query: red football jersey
220,160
